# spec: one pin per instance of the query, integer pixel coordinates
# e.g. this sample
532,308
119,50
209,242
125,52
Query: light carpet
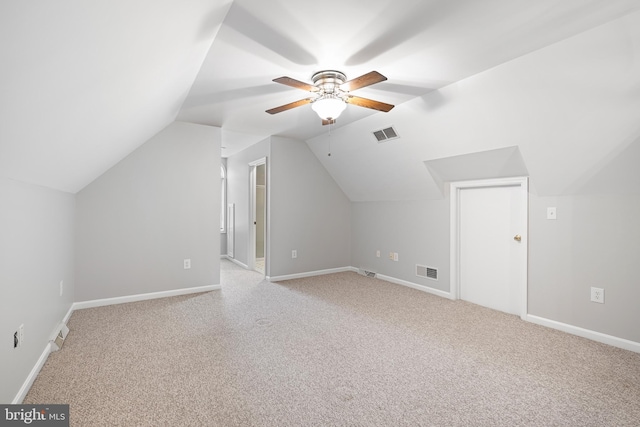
335,350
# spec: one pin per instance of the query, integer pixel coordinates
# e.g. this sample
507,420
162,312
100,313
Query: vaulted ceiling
549,88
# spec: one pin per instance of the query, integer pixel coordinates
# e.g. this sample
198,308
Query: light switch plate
551,213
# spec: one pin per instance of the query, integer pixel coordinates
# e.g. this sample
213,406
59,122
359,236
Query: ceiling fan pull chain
330,126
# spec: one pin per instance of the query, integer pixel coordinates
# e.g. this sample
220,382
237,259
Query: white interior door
492,248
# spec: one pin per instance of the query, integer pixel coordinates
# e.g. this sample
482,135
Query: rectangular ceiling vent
385,134
426,272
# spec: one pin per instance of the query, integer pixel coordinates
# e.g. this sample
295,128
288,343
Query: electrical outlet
294,254
187,263
597,295
551,213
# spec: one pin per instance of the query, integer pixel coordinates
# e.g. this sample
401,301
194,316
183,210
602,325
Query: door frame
251,259
454,195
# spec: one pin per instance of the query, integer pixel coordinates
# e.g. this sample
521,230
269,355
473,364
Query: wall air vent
426,272
366,273
385,134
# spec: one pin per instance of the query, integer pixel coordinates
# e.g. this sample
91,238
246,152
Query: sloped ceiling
88,82
571,108
84,83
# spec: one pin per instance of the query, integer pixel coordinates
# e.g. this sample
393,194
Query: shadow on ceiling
500,163
245,23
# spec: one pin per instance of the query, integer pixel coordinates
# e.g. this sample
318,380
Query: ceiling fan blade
368,103
368,79
289,106
328,122
288,81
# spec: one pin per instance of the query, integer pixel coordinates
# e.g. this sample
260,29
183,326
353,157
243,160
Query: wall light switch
395,256
294,254
378,254
551,213
187,264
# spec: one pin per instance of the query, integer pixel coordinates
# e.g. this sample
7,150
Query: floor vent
385,134
366,273
426,272
57,342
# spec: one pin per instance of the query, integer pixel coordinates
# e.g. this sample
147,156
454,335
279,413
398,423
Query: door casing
253,166
523,198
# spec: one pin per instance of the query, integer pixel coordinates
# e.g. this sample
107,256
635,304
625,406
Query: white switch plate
551,213
61,287
294,254
378,254
395,256
187,263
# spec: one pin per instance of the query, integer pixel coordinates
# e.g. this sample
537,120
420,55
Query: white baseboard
22,393
235,261
585,333
422,288
574,330
67,316
311,274
143,297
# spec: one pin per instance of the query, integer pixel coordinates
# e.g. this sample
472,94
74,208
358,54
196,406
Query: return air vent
57,342
385,134
366,273
427,272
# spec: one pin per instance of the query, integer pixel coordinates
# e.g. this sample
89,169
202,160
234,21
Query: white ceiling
84,83
88,82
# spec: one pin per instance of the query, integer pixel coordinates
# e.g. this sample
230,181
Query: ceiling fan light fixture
331,94
329,107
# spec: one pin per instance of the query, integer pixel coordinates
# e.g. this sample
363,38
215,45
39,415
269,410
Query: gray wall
238,193
417,230
36,253
138,221
593,242
308,212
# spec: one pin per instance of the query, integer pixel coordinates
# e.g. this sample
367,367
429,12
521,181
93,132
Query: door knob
517,238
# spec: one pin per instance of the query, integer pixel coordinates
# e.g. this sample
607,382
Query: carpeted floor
336,350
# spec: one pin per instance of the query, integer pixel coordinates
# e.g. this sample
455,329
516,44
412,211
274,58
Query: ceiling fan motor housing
328,81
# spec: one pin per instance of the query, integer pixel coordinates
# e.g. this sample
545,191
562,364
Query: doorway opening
258,212
489,249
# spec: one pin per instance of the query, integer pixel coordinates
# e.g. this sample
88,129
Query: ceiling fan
331,94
